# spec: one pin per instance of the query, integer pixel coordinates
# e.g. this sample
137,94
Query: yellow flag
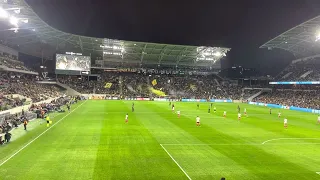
154,82
157,92
193,87
108,85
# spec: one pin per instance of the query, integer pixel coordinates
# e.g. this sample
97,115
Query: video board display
72,64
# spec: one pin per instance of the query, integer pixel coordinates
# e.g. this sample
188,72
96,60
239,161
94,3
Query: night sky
241,25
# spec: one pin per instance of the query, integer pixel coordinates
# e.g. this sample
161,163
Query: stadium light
33,29
17,11
25,20
318,36
14,21
217,54
3,13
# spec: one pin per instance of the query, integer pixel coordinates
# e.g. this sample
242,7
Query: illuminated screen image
73,62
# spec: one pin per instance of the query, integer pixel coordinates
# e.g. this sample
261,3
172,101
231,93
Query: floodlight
3,13
217,54
33,29
13,20
17,11
25,20
318,36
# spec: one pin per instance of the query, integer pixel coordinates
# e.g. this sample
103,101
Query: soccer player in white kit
198,121
279,114
127,116
285,123
224,114
239,116
319,119
178,112
245,111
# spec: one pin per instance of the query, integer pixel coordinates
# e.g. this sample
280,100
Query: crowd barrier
286,107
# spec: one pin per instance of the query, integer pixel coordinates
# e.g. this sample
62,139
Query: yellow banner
193,87
157,92
108,85
154,82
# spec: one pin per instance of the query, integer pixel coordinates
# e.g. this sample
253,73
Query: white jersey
279,114
127,116
239,115
319,118
198,119
285,121
245,110
173,108
225,113
178,112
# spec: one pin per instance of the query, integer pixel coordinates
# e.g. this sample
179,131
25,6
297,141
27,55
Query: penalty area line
264,142
40,135
175,162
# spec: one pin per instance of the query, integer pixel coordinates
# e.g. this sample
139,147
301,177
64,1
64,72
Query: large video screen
66,64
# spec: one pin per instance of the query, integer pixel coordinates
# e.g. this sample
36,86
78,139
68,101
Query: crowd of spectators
25,85
12,62
9,121
290,97
308,70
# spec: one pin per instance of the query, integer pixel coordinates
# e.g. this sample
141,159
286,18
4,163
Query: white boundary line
175,162
276,139
40,135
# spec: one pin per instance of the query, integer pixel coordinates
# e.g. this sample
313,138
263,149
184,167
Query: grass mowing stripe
175,162
39,135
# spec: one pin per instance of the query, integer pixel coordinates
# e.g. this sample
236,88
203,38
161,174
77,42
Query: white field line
175,162
238,144
276,139
40,135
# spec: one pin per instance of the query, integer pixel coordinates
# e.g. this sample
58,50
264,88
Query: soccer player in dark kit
132,107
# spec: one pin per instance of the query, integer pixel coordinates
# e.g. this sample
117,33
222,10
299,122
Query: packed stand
299,98
302,71
249,93
25,85
77,83
13,63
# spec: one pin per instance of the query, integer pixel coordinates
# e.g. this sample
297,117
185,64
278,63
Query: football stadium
100,108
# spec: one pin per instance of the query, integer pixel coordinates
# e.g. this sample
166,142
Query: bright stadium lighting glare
218,54
25,20
318,37
3,13
33,29
17,11
13,20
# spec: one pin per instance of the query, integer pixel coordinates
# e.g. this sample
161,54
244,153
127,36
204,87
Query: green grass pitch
93,142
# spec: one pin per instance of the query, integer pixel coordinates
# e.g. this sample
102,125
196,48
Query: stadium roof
36,37
301,40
